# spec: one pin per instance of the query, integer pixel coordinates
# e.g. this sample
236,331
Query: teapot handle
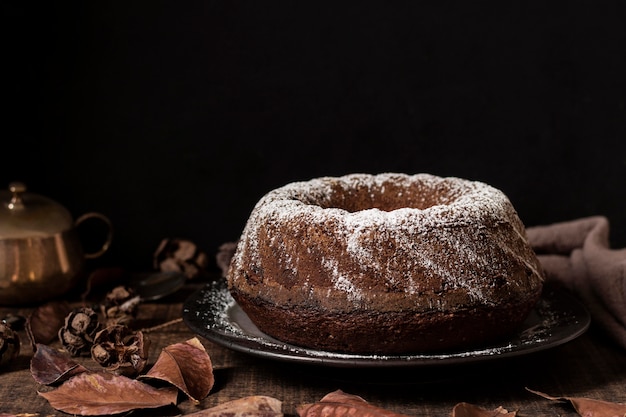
109,238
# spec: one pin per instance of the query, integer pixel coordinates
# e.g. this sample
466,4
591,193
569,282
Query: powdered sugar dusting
341,282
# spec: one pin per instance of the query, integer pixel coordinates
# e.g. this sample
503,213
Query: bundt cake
385,264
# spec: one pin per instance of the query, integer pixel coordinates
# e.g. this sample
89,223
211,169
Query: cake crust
387,263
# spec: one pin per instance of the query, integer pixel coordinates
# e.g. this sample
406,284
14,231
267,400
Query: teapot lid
25,214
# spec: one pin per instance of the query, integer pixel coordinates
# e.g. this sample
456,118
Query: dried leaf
48,366
339,404
252,406
187,366
589,407
44,322
100,280
470,410
91,394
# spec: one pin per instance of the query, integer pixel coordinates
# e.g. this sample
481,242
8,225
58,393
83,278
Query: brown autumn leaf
97,393
471,410
187,366
589,407
339,404
48,366
252,406
44,322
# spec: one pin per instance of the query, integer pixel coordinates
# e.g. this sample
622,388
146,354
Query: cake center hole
390,197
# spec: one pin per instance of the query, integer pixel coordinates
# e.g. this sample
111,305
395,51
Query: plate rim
264,346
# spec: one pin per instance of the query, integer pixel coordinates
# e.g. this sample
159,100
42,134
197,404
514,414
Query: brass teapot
41,254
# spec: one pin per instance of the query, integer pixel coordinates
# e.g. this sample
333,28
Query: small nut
80,328
120,306
120,350
9,343
180,255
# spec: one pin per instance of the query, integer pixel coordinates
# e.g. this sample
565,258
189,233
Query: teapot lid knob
16,189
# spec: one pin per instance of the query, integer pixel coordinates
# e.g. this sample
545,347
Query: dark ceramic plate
212,313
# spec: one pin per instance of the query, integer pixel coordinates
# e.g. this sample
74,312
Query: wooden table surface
589,366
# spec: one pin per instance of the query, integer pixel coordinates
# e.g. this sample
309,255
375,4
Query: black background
174,118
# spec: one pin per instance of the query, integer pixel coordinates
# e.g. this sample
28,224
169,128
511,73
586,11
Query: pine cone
77,335
120,350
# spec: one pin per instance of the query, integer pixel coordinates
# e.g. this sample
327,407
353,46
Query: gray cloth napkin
577,255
